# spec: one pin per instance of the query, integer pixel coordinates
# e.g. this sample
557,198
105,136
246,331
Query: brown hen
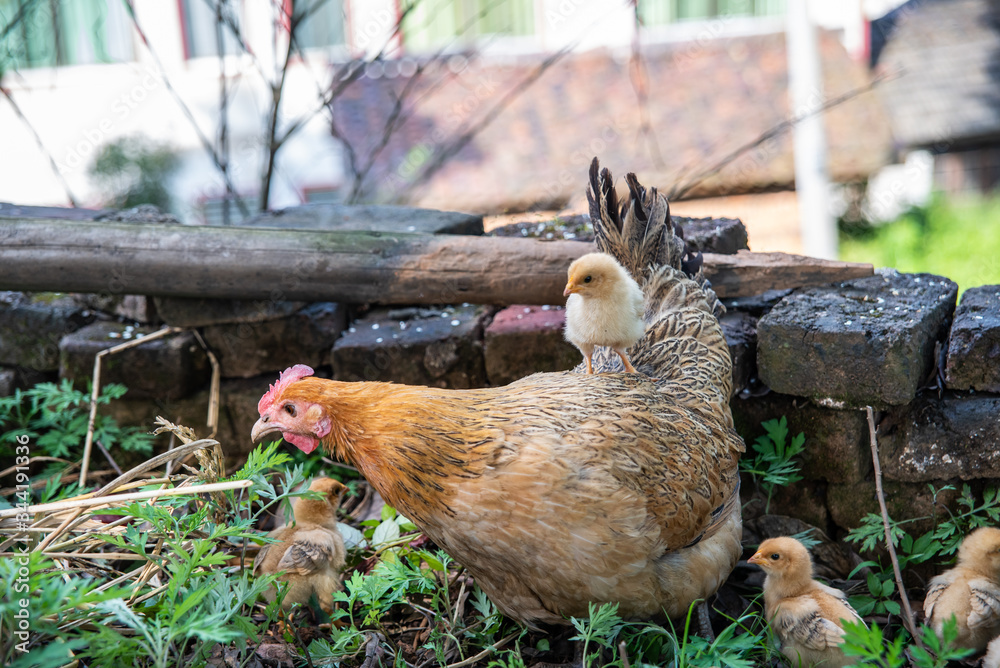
563,489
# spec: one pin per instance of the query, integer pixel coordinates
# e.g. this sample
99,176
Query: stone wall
816,355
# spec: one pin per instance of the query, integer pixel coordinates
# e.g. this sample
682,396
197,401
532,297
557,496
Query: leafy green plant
773,466
601,628
133,171
872,649
54,416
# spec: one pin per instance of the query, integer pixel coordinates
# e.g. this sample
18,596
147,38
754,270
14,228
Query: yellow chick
806,615
311,552
992,658
604,307
970,591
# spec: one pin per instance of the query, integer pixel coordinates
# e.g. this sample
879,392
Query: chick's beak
570,289
757,558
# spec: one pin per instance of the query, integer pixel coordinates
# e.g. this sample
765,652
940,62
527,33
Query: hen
970,591
562,489
311,552
604,307
806,615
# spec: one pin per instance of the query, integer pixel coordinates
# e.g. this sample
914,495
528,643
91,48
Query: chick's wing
800,621
985,601
311,551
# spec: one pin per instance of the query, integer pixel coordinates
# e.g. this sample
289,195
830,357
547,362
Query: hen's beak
264,427
757,558
571,288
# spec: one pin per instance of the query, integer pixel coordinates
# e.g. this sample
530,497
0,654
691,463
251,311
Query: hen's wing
311,551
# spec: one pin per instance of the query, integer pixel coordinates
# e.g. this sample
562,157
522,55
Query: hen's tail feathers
683,341
640,234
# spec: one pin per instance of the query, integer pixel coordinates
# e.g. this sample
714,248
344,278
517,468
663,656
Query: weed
772,466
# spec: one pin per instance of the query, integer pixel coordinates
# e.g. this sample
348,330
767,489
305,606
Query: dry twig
907,610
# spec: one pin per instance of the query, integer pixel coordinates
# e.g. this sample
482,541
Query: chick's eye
775,556
588,279
290,409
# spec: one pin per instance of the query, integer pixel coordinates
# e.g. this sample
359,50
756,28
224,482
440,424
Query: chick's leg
590,365
628,365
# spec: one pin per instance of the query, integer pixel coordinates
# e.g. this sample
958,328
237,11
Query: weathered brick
941,439
974,345
8,381
867,341
836,445
850,502
249,349
32,326
523,340
166,368
137,308
416,346
182,312
714,235
740,330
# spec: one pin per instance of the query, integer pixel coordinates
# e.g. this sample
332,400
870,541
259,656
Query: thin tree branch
223,104
640,83
17,19
678,191
205,141
907,610
41,145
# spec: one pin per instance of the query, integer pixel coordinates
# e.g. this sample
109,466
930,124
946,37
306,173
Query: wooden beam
354,267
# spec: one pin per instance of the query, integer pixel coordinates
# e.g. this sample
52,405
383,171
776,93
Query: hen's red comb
287,377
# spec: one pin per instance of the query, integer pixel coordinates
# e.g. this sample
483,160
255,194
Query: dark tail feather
640,234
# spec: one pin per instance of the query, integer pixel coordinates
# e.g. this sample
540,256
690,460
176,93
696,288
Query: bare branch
223,103
205,141
640,84
907,610
678,191
18,18
41,145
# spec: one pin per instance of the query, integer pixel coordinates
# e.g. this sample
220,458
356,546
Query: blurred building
944,99
666,95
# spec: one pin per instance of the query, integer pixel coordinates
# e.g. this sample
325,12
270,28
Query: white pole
816,224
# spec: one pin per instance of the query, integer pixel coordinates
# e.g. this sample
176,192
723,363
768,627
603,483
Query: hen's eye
588,279
290,409
775,556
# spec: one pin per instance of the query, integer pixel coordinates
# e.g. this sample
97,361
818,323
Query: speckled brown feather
563,488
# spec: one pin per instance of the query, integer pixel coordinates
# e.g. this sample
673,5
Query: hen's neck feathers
407,441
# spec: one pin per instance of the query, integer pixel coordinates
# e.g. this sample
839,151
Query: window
323,24
436,24
47,33
199,20
662,12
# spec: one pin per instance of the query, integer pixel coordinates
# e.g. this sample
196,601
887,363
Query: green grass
956,238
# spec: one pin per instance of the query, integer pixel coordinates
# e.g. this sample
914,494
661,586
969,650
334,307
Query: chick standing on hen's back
562,489
311,552
806,615
604,307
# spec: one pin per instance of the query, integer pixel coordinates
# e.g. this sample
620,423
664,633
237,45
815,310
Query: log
344,266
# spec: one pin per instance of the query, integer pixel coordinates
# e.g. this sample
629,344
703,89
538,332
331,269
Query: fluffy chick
311,552
970,591
992,658
604,307
806,615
